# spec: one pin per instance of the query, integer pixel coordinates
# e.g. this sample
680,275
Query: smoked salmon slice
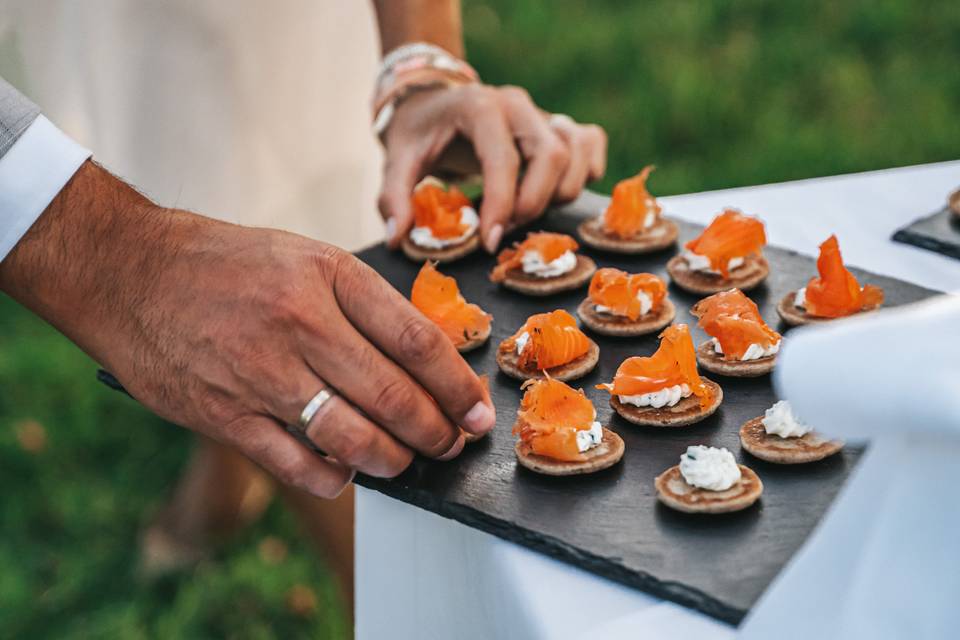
730,235
674,363
554,339
439,209
617,290
550,246
438,297
734,320
836,292
549,417
627,212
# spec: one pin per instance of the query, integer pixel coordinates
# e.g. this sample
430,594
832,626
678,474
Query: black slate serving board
610,523
938,232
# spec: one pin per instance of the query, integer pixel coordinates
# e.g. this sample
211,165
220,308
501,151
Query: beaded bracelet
411,67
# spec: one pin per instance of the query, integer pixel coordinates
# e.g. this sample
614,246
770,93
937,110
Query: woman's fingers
402,171
578,169
482,120
414,343
266,442
546,153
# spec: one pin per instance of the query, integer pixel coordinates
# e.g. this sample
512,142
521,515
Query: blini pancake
794,316
685,412
660,236
713,362
807,448
519,281
752,272
604,455
475,341
676,493
611,325
444,255
508,361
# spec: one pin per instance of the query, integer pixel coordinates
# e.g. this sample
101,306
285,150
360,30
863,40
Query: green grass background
717,94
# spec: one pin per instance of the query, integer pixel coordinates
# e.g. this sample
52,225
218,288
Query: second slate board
610,523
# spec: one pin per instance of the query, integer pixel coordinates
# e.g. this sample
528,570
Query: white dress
252,112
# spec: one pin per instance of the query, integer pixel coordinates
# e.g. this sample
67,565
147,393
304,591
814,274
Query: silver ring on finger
313,407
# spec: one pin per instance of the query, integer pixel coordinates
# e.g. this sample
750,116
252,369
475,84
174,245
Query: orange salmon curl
438,297
734,320
627,212
674,363
549,417
439,209
554,339
550,246
731,235
836,292
617,290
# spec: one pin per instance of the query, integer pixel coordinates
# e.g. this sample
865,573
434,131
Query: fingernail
493,238
454,450
390,229
480,418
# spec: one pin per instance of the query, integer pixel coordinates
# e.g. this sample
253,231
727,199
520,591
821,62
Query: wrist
78,266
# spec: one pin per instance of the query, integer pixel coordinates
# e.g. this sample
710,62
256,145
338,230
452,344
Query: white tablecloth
422,576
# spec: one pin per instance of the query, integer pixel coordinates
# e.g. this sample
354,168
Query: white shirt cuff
32,173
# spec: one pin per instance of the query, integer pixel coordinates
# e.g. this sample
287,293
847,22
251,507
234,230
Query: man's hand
231,331
505,128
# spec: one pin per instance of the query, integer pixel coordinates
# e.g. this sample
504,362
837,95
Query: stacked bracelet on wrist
411,67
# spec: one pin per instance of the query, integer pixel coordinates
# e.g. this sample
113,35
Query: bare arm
435,21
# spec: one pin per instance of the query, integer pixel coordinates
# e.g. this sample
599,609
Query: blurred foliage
717,94
736,92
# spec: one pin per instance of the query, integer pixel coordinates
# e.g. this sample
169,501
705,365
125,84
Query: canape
444,224
438,297
664,390
780,437
632,222
834,294
708,480
623,304
741,343
559,434
543,264
729,253
955,204
548,344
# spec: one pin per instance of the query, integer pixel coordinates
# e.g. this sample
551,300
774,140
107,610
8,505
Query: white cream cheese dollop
646,303
697,262
753,352
534,265
522,341
423,236
589,438
800,300
666,397
780,420
709,468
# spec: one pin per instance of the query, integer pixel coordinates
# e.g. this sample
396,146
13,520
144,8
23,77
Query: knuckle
420,341
215,410
516,95
354,446
395,468
293,470
441,444
395,399
556,152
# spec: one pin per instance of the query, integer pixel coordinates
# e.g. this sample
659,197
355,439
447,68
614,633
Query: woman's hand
231,331
506,128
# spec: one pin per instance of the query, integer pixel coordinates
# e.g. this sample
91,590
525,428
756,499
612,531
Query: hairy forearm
83,261
435,21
